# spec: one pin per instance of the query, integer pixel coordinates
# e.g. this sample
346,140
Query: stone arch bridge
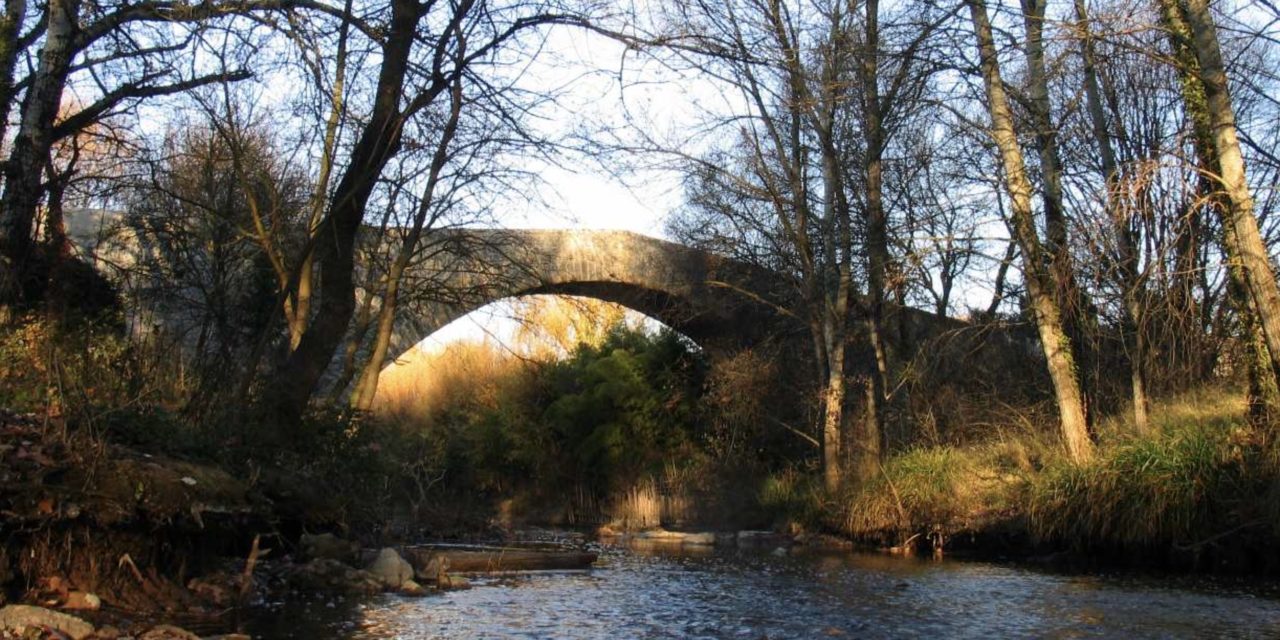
719,303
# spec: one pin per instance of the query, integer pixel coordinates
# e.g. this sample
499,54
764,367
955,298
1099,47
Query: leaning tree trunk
1053,338
367,387
1077,319
29,156
1208,104
1251,251
297,378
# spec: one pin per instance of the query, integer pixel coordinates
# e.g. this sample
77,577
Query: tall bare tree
1035,268
404,89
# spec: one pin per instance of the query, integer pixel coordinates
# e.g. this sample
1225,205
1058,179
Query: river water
657,592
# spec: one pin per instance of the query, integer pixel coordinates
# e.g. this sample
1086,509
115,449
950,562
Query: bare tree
404,89
1039,281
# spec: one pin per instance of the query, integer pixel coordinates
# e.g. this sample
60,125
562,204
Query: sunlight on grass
1196,476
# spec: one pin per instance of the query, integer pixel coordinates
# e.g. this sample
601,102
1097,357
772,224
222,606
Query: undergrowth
1201,481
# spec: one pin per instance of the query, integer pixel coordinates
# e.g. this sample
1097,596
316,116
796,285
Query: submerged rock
19,618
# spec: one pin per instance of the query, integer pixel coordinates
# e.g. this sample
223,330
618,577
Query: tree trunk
297,378
1250,249
367,388
301,316
1070,297
1002,273
11,23
1263,390
1053,338
1122,224
833,401
877,246
30,155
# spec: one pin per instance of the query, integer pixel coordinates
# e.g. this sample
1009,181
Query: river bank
128,540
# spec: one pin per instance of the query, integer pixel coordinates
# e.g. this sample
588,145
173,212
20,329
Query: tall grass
925,489
1201,477
1185,484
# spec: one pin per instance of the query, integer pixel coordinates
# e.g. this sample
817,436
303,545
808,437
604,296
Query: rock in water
20,617
322,575
412,588
391,569
327,545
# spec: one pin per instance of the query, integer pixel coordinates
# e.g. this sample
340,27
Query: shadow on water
668,591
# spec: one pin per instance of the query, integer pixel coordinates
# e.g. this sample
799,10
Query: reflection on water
668,592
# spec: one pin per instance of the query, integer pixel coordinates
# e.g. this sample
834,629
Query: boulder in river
390,568
19,618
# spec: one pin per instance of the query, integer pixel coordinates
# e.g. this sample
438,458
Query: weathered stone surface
412,588
168,632
19,617
82,601
327,545
391,569
698,293
682,537
325,575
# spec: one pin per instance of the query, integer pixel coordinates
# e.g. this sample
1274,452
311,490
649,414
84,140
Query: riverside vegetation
282,168
628,428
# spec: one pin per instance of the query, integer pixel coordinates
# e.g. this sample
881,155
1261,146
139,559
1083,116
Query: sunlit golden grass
461,374
926,487
640,507
1199,473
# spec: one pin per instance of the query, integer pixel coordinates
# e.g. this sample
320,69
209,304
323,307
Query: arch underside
705,326
695,293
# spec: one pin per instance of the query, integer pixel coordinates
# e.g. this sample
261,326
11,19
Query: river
657,592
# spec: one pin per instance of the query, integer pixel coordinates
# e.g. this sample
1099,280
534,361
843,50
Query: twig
1214,538
126,560
246,577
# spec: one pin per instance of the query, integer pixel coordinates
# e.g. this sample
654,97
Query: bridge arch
696,293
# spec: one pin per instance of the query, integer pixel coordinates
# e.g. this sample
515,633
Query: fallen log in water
430,562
